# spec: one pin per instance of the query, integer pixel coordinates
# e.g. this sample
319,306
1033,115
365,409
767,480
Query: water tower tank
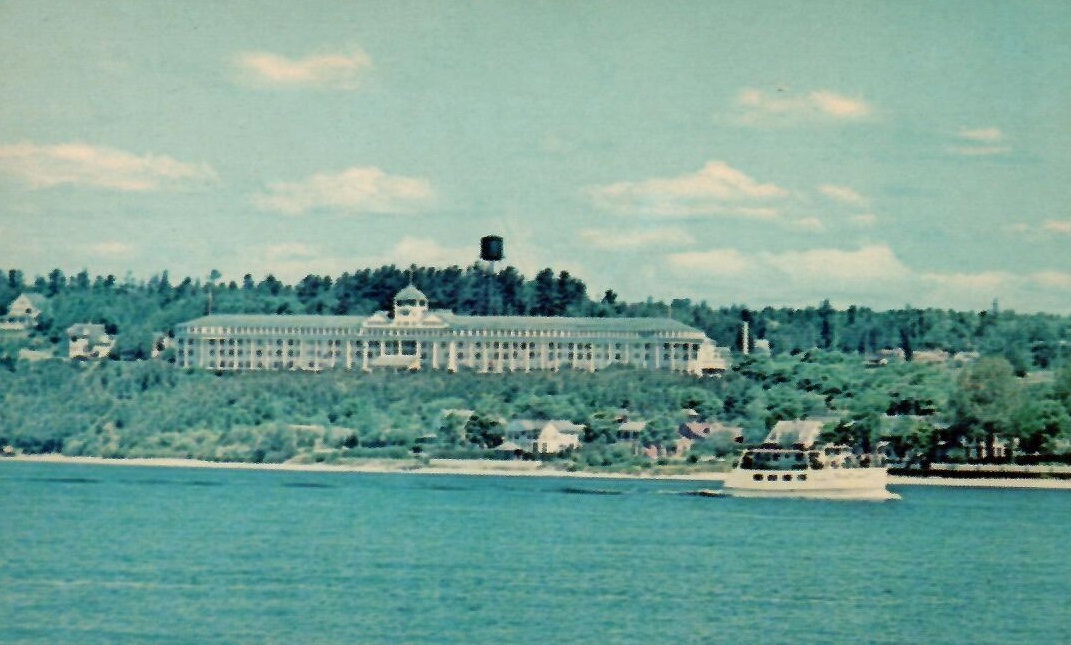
491,248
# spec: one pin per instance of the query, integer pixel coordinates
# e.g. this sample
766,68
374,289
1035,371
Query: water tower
491,250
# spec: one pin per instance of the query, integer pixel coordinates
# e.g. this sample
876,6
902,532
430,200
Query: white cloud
870,275
831,268
835,266
842,194
866,219
1062,226
80,164
1052,279
754,212
979,142
725,262
111,248
807,224
615,239
1036,291
979,151
338,71
760,108
986,282
289,251
1043,230
790,278
355,190
985,135
409,250
427,252
292,261
716,189
836,105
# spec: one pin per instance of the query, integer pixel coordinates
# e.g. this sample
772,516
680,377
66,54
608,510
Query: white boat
803,469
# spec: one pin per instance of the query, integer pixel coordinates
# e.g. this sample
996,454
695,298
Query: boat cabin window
757,477
802,477
787,478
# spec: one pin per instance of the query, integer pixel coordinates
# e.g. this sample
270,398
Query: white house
88,340
543,437
795,432
523,432
23,312
557,437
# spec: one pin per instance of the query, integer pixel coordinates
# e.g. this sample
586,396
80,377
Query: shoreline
466,467
487,468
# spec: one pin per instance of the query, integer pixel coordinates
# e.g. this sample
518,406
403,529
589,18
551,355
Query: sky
775,153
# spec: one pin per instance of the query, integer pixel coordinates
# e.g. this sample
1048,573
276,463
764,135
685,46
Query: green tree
865,422
659,431
544,293
484,430
915,439
602,428
1061,387
1038,422
986,395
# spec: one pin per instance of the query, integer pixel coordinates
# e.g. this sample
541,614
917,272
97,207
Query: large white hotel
417,337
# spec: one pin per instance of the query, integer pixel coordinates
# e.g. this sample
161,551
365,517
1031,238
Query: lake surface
129,554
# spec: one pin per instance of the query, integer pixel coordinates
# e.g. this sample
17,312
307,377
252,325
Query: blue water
124,554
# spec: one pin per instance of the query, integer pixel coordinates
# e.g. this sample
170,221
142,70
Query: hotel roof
273,320
410,293
453,321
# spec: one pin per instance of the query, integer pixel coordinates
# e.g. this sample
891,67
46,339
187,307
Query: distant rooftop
795,432
480,323
410,293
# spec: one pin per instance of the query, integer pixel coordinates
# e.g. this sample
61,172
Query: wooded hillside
1017,390
136,310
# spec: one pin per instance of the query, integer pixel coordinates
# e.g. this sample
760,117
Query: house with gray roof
415,337
795,432
23,312
88,340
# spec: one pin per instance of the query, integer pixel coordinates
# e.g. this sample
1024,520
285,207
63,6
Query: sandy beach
981,482
472,467
477,467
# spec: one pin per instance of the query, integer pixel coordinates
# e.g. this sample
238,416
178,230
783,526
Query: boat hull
849,484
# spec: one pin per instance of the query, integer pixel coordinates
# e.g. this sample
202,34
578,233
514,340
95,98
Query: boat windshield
767,459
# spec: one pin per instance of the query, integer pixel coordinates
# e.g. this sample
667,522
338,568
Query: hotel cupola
410,306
